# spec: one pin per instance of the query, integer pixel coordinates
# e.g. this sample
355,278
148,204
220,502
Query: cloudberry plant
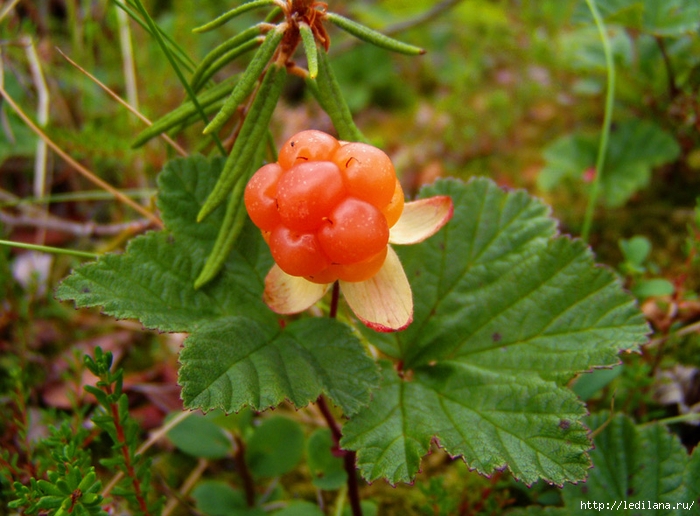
325,208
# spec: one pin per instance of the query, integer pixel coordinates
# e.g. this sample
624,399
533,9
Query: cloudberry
325,208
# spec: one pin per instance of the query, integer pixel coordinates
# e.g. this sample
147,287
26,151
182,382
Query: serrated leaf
635,148
633,465
491,420
153,280
494,289
505,312
236,361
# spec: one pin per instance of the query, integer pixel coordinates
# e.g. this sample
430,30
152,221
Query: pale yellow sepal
421,219
286,294
383,302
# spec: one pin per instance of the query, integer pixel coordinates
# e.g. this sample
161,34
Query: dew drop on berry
308,145
307,193
260,197
368,173
355,231
297,254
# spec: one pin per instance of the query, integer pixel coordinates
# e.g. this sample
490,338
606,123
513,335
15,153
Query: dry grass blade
77,166
128,106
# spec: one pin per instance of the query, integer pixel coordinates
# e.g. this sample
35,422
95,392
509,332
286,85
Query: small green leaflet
505,314
233,333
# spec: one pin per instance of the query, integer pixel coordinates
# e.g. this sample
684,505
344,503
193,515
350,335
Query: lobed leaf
492,420
635,464
236,362
152,280
505,313
635,148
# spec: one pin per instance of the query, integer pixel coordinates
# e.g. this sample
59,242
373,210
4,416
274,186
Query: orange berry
354,232
260,197
368,172
308,145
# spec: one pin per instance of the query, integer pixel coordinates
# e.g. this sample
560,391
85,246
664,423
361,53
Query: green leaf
588,384
635,148
153,280
653,287
300,508
236,361
633,464
275,448
200,437
658,17
492,420
327,470
636,250
505,313
216,498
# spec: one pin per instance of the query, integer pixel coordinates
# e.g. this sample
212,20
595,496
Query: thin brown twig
84,229
77,166
124,103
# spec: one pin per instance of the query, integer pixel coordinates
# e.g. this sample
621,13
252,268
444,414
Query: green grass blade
248,80
180,54
168,54
252,131
607,121
307,37
47,249
228,234
217,65
218,22
244,37
329,96
187,112
372,36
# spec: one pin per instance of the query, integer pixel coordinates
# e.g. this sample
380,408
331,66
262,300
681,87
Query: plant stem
334,300
168,54
348,456
46,249
670,75
244,472
607,121
128,464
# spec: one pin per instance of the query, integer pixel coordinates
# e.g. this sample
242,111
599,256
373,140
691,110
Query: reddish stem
244,472
348,456
130,471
